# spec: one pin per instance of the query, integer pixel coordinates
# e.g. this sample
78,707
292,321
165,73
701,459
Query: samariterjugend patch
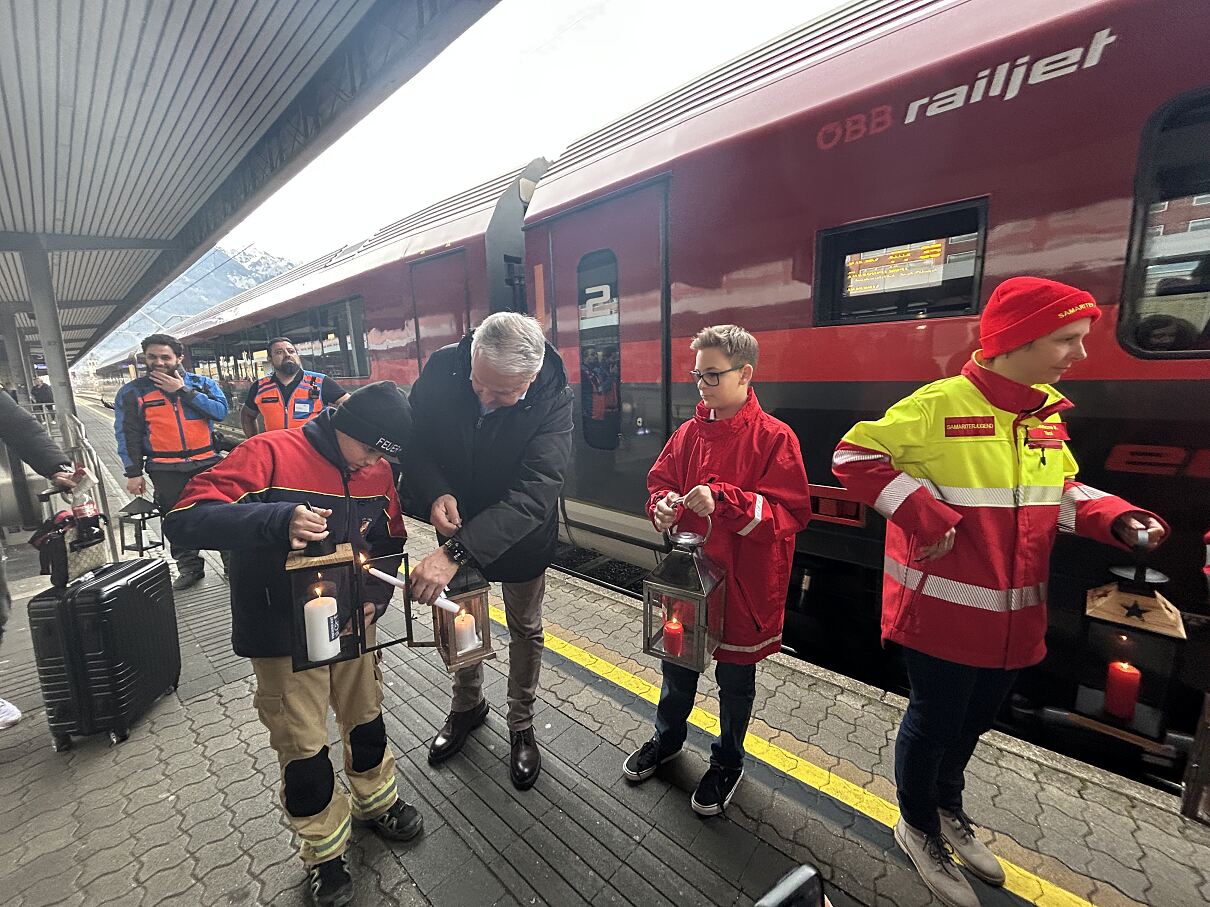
970,426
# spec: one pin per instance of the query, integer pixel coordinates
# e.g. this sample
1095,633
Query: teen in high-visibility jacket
974,478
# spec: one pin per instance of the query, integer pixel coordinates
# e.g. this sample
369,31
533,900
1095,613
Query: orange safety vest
295,411
175,433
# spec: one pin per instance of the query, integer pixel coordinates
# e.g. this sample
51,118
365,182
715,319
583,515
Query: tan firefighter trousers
294,707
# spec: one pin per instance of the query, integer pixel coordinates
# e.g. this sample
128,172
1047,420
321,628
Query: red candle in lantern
674,637
1122,689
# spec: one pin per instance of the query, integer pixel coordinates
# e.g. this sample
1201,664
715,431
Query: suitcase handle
95,573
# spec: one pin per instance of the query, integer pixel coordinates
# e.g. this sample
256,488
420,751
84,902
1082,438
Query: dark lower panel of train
1143,440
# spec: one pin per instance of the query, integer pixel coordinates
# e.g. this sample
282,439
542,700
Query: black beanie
378,415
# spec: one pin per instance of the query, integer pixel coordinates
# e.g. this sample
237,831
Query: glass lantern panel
384,583
464,635
325,625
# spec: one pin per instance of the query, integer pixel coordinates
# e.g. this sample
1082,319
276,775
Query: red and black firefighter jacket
753,465
244,505
171,432
989,456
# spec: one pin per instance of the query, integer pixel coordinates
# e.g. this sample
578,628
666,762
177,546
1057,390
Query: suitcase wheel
116,737
61,742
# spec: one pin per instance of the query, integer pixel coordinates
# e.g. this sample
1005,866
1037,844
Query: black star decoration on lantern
1133,610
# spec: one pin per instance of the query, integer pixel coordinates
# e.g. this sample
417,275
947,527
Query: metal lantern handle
709,528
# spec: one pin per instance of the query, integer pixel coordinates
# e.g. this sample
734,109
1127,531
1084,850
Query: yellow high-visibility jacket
989,456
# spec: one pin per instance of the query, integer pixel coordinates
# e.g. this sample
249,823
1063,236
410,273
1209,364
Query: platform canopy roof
135,133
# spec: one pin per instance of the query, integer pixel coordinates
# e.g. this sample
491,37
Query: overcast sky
526,80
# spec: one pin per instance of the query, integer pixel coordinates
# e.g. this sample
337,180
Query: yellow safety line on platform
1017,880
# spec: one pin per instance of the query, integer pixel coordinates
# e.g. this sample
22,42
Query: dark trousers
168,484
736,693
951,705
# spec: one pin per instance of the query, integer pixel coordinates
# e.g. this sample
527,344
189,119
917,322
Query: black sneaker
715,790
399,823
330,882
187,580
642,763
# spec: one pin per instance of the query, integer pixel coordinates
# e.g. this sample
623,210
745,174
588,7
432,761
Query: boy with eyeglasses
737,465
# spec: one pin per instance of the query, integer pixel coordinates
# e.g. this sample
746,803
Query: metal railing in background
87,454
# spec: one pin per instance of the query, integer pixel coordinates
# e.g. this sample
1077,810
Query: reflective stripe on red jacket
753,465
300,407
988,456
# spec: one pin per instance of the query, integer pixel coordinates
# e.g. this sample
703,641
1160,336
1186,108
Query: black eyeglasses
711,378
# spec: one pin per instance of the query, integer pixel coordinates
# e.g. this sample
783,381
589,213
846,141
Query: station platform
185,811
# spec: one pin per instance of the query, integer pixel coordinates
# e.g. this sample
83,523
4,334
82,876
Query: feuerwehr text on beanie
378,415
1022,309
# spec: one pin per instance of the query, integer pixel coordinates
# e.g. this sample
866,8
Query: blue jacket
167,431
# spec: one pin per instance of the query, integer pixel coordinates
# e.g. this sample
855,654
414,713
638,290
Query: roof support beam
17,308
42,294
65,242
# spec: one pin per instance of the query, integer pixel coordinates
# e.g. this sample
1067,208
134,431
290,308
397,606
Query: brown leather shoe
453,734
526,760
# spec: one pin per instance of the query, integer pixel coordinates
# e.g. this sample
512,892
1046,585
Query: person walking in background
491,446
164,422
29,441
290,397
43,392
736,465
974,478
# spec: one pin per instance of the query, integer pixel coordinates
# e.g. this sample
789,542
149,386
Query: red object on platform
674,637
1122,689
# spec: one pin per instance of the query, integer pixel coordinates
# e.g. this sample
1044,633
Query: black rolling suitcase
106,648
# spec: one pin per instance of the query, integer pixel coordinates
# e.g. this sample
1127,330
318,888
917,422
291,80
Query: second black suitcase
106,648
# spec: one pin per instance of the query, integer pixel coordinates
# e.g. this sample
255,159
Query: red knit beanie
1022,309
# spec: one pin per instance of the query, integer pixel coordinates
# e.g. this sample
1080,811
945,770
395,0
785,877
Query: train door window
925,264
600,349
331,339
1166,298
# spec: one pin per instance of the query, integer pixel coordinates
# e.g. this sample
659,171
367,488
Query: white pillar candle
323,629
465,637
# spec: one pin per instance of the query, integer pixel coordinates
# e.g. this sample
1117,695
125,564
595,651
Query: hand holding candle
1122,689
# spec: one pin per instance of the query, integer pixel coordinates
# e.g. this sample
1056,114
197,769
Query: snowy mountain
215,277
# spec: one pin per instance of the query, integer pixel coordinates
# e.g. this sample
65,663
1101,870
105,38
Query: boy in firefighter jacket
974,478
275,492
164,424
741,467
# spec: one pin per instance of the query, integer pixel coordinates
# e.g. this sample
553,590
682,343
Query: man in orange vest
974,478
164,423
291,396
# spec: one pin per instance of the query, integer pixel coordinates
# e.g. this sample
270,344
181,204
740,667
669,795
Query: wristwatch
456,552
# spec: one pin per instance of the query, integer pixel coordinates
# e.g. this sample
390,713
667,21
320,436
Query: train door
441,298
608,266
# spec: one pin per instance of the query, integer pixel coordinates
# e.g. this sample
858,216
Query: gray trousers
523,610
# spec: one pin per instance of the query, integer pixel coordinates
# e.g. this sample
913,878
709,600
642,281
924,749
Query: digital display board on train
909,267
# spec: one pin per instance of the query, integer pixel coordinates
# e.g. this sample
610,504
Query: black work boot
453,734
526,760
330,882
399,823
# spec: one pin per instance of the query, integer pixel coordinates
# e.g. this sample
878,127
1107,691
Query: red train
850,192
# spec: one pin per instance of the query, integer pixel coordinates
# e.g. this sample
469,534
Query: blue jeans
736,693
951,705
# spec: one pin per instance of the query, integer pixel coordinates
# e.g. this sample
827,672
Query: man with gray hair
491,443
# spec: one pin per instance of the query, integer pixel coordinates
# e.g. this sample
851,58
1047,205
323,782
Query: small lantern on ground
133,520
462,630
1134,637
683,602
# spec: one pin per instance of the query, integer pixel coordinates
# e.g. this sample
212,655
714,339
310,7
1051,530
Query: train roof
803,69
451,220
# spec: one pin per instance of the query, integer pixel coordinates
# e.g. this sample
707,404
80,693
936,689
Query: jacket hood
748,413
552,377
321,435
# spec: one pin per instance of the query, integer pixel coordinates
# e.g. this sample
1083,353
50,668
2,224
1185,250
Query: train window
600,349
925,264
1166,300
331,338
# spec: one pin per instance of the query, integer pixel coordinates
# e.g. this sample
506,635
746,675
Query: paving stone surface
185,811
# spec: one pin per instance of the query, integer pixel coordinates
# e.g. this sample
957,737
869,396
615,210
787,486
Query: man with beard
164,423
290,397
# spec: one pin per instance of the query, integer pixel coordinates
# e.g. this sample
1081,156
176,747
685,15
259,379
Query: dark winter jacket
29,440
505,469
244,504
